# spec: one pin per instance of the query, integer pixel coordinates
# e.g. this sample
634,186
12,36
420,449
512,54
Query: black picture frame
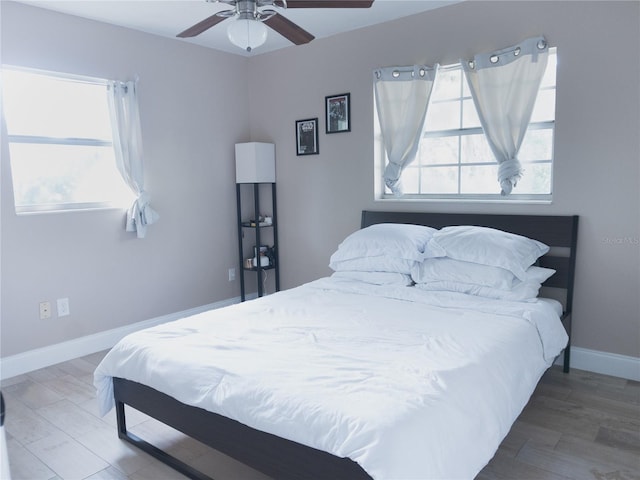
338,113
307,137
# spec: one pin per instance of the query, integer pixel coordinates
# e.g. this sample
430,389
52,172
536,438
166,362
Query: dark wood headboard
560,232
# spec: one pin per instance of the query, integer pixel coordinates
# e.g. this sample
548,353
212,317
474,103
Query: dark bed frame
283,459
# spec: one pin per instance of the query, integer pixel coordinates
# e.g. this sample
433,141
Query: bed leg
566,323
152,450
122,421
567,357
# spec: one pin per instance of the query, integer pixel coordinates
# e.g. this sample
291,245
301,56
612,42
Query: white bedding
407,383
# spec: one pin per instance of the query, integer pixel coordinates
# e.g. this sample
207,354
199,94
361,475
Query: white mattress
407,383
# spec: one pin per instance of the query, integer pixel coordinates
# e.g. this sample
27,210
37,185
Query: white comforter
407,383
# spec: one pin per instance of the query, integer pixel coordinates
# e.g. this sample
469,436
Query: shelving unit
255,229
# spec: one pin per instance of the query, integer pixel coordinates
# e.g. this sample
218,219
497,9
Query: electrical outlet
45,310
232,274
63,307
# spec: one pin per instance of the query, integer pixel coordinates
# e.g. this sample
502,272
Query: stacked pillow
376,278
483,261
383,254
468,259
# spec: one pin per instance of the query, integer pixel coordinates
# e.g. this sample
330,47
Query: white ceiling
170,17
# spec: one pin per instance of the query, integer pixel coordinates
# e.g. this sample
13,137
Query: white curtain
127,142
504,86
402,97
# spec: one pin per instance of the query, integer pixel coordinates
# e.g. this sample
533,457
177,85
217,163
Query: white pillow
376,278
522,292
450,270
487,246
538,274
391,240
380,263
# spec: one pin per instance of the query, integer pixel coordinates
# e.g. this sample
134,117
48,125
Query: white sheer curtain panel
402,97
127,143
504,86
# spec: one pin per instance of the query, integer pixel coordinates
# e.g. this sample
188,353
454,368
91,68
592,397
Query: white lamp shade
255,162
247,34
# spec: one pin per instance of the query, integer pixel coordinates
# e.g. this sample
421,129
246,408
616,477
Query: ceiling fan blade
328,3
200,27
289,30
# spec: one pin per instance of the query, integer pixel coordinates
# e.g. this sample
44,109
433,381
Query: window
60,142
454,160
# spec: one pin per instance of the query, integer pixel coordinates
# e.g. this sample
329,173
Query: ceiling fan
248,31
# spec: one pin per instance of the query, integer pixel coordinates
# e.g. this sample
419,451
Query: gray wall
596,146
193,110
113,279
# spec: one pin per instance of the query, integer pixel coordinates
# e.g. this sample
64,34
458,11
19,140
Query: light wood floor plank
65,456
505,468
622,439
613,458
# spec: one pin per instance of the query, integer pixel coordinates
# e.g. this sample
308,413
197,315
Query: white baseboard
606,363
31,360
581,358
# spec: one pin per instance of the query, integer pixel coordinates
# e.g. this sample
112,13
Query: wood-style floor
579,426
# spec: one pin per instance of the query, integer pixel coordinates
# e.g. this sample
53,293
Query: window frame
68,141
383,194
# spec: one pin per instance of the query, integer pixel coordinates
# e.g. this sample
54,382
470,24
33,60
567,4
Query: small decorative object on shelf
261,222
255,171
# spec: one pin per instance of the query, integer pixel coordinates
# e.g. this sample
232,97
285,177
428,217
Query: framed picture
338,113
307,137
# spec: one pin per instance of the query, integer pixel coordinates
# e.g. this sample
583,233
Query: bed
359,386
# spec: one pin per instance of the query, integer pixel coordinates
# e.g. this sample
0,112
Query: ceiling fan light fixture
247,33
